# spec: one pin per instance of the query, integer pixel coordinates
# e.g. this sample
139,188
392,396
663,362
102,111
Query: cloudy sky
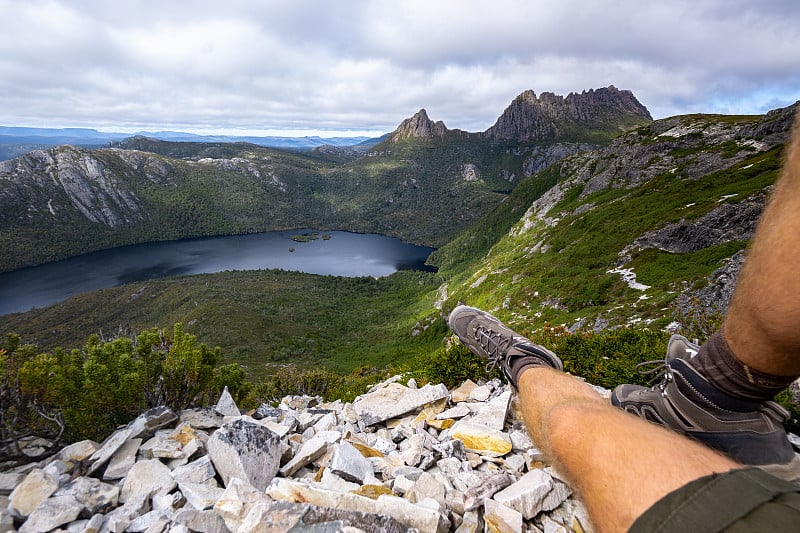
292,66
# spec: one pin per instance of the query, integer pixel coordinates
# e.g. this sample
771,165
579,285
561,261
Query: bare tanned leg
620,464
761,326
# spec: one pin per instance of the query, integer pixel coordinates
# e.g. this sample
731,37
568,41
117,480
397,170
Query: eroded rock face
442,461
419,126
731,221
549,116
84,181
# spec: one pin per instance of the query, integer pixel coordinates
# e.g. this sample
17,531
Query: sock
520,362
717,363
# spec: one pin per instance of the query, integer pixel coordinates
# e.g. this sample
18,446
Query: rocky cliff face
550,116
418,126
398,459
49,184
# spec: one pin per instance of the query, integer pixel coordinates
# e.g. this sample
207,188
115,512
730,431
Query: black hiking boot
489,338
749,432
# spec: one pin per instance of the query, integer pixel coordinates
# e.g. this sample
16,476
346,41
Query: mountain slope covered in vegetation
626,233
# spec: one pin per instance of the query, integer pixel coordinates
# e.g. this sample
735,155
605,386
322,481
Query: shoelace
658,370
495,344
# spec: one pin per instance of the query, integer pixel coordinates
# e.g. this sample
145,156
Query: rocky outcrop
713,298
550,116
689,147
399,459
418,126
731,221
541,157
82,182
686,147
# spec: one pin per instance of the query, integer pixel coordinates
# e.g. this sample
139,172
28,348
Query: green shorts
737,501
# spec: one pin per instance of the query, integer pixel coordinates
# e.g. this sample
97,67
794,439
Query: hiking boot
749,432
489,338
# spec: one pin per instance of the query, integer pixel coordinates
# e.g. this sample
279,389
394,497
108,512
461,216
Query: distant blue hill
16,140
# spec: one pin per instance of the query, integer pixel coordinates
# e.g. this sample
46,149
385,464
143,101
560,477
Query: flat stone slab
395,400
482,440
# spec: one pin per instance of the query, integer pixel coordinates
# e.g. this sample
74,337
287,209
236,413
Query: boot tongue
697,387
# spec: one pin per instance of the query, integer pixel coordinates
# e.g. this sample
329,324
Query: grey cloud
367,65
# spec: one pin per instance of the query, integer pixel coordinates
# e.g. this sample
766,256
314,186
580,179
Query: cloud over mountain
358,65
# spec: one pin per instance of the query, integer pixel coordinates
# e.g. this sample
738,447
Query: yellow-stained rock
441,424
184,434
373,491
463,392
430,411
483,440
366,451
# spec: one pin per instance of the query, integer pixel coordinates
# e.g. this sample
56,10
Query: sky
358,67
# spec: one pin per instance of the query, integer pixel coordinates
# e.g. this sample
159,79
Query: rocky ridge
399,458
418,126
550,116
547,117
83,182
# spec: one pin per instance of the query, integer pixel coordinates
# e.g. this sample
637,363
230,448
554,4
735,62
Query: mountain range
16,140
578,211
422,183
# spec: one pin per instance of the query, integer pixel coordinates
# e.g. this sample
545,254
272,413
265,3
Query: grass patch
660,268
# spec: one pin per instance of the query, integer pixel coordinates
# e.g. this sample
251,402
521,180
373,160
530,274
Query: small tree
28,382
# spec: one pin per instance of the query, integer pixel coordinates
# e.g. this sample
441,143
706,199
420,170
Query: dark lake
339,253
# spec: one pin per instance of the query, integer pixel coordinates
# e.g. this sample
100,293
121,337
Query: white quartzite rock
78,451
9,481
226,406
501,518
246,450
348,463
146,478
109,448
493,413
527,494
310,450
203,521
34,489
152,521
122,460
147,423
94,495
442,470
52,513
198,471
236,502
395,400
200,496
475,496
402,510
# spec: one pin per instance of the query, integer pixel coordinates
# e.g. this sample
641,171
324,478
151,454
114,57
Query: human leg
761,327
720,393
620,464
757,352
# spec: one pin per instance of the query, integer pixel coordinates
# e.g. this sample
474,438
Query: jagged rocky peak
419,126
551,116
